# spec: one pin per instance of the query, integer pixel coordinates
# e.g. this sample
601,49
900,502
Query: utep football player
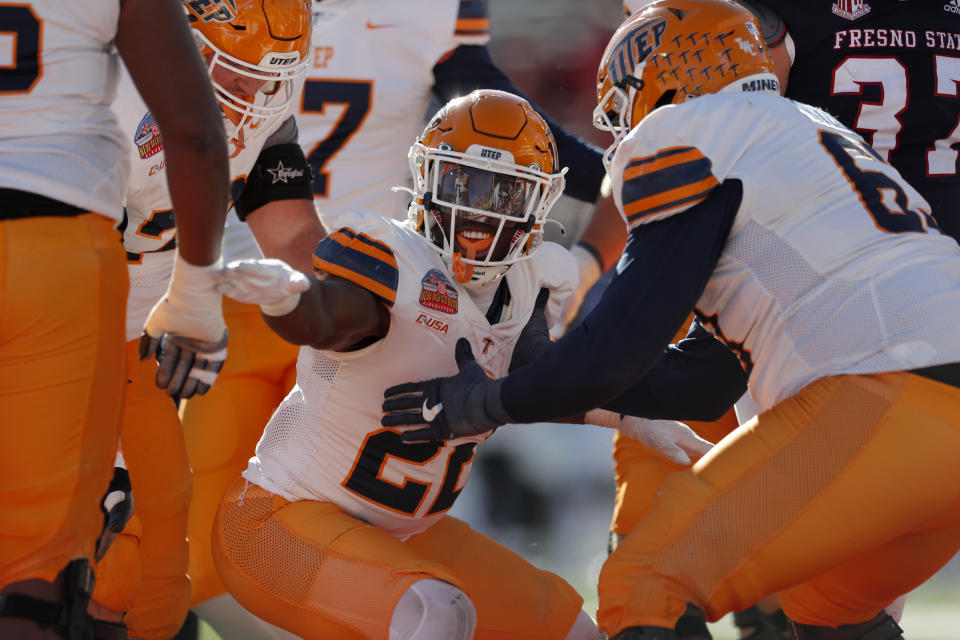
823,273
256,55
338,529
63,172
375,67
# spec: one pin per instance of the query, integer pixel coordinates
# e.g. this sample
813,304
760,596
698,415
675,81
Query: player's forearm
200,205
606,234
158,50
665,269
331,315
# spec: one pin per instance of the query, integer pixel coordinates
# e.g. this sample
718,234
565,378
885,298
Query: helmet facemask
277,71
480,214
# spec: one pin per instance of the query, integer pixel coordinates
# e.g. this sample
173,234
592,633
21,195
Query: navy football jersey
888,69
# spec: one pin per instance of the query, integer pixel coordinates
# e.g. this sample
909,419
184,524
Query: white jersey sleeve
325,441
58,136
833,263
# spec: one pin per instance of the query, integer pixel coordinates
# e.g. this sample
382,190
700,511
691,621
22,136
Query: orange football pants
639,471
312,569
156,456
857,479
63,291
223,427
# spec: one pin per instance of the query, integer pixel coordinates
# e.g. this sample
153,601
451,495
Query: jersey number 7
317,94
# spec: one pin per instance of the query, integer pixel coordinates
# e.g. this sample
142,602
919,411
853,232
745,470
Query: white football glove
670,438
590,272
268,282
186,331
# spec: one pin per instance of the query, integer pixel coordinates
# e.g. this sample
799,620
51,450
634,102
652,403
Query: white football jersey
325,441
832,264
368,91
149,229
58,136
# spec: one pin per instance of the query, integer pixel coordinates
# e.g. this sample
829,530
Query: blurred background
547,491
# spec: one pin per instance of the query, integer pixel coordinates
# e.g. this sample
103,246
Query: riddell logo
851,9
953,7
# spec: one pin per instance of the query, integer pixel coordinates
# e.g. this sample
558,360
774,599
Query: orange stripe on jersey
385,293
360,259
472,26
367,245
665,158
670,179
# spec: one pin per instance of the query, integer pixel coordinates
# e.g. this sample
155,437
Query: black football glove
466,404
117,508
185,366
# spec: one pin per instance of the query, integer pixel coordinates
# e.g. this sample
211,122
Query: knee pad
432,609
881,627
120,570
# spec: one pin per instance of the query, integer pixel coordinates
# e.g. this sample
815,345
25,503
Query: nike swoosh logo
429,413
370,25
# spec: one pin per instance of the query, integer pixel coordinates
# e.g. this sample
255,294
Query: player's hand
590,272
268,282
466,404
186,331
117,508
670,438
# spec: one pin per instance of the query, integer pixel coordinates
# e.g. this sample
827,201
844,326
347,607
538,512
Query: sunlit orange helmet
670,51
485,174
267,40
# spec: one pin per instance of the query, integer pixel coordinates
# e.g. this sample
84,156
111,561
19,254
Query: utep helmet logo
634,49
211,10
437,293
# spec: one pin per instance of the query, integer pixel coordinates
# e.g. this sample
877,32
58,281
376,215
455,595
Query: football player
63,172
823,272
256,55
887,69
374,70
337,529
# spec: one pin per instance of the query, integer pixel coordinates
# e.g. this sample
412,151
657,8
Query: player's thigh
513,598
310,568
155,452
820,463
223,426
639,471
63,285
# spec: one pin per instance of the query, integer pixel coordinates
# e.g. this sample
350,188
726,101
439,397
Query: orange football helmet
266,40
486,174
670,51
